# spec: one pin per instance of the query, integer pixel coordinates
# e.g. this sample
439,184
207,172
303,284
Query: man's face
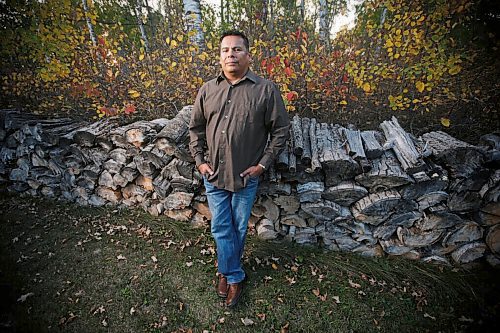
234,57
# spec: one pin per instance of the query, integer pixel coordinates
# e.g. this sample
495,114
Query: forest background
432,63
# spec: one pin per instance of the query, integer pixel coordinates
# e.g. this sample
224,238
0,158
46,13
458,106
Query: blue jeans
230,213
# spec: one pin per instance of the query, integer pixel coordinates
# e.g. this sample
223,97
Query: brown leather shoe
222,286
234,294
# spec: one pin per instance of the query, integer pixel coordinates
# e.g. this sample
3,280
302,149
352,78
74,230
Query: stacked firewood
433,198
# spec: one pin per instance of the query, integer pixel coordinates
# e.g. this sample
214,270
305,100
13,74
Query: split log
369,251
275,188
112,166
265,230
464,202
148,164
282,162
133,193
112,195
292,159
490,191
294,220
176,130
310,192
493,239
106,180
405,219
491,140
203,209
183,215
403,146
120,155
289,204
439,220
376,207
145,182
371,141
305,236
431,199
437,260
298,139
394,247
472,183
489,214
325,210
423,184
306,153
414,237
354,144
385,174
469,252
178,200
384,231
461,158
463,233
345,193
315,163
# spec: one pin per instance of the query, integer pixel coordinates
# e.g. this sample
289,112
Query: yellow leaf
173,64
366,87
420,86
209,45
303,48
173,44
454,70
148,83
343,102
167,40
396,56
141,56
445,122
134,93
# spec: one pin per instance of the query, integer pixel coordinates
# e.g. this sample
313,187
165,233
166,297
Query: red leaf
288,71
290,96
129,109
286,62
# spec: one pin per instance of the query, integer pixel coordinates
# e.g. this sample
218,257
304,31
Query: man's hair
236,33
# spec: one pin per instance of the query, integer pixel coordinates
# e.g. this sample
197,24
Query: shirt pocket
256,112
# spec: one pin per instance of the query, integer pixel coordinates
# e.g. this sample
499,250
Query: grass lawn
86,269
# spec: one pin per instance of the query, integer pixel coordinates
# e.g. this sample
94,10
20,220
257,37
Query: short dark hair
236,33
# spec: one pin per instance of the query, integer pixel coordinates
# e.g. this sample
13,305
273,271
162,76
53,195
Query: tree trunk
90,26
192,19
138,14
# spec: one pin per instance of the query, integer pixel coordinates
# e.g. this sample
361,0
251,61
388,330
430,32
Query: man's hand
205,170
254,171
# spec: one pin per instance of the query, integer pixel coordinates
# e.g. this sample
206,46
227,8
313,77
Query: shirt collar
248,76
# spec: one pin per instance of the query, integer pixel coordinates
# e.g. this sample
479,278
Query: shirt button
225,117
223,132
228,101
221,162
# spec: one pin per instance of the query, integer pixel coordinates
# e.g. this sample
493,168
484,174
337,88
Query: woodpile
433,198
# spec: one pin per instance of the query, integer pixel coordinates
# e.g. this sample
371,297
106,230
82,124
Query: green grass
110,270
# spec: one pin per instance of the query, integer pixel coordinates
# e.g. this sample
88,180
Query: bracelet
262,166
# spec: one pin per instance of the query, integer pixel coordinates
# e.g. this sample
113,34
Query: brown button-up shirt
235,123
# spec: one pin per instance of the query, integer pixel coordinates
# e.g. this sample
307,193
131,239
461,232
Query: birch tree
90,26
324,22
137,6
192,19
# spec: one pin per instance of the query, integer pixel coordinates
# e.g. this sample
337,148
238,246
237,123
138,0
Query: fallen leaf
316,292
247,321
262,316
121,257
354,285
284,329
154,259
189,264
465,319
132,311
24,297
221,320
336,299
426,315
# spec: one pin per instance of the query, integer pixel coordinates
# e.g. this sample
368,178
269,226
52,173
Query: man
233,116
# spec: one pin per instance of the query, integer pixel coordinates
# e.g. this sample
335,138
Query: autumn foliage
401,56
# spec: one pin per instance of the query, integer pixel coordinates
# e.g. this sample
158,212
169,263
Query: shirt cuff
199,159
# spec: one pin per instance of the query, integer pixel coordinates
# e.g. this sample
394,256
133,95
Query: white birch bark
324,22
89,22
138,14
192,19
